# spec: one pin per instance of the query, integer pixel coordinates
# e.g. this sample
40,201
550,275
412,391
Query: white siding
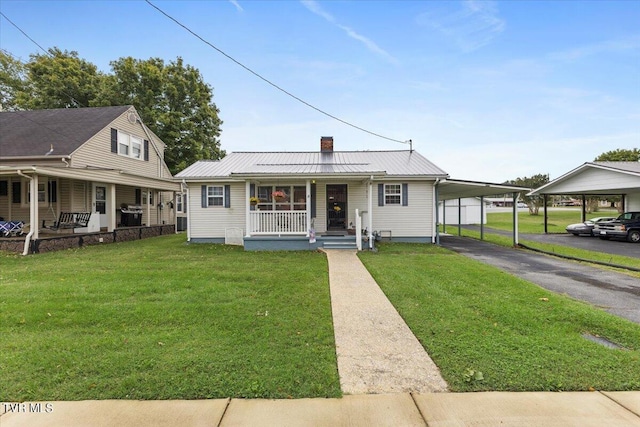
211,222
594,179
414,220
633,202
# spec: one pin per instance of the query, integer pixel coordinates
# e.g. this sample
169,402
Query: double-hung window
130,146
392,194
215,195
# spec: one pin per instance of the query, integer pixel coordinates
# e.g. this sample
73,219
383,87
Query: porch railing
278,222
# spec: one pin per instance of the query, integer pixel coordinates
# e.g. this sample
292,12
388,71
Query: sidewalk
579,409
377,353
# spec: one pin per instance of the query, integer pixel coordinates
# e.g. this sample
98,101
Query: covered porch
54,202
308,211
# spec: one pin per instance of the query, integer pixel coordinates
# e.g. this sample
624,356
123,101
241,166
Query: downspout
27,240
370,207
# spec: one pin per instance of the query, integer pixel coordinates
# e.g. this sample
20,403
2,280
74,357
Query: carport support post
515,219
544,205
459,217
481,217
584,208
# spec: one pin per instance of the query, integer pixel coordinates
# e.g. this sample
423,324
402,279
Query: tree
620,155
533,202
59,80
12,80
174,101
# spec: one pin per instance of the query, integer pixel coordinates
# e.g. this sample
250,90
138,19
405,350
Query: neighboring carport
449,189
596,179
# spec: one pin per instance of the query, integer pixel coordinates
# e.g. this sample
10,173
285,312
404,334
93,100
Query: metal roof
241,164
455,189
32,133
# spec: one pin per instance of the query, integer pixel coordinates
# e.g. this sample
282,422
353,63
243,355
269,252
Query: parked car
626,226
587,226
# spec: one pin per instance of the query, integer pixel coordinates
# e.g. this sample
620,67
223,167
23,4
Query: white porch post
370,209
308,206
247,192
111,207
34,214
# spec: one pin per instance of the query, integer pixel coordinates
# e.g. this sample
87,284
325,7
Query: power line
267,80
74,101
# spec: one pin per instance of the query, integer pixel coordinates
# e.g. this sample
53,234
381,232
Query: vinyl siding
212,222
97,152
414,220
593,179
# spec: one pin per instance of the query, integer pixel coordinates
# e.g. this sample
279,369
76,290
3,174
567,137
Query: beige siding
97,152
212,222
414,220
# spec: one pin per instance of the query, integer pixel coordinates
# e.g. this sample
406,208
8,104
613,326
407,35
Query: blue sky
486,90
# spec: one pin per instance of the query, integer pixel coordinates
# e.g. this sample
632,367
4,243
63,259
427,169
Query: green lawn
557,220
160,319
473,317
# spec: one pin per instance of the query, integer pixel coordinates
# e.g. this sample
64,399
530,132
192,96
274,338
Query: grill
131,216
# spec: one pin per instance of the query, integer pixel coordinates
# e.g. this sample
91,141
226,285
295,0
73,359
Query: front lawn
160,319
473,318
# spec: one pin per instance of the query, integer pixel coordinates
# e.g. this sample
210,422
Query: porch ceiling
456,189
107,176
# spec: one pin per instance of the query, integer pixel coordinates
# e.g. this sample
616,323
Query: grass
473,317
160,319
535,225
557,220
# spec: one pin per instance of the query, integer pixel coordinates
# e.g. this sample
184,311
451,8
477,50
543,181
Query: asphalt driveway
614,292
614,247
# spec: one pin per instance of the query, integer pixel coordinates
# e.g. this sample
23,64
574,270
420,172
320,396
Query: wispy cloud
471,27
314,7
237,5
630,44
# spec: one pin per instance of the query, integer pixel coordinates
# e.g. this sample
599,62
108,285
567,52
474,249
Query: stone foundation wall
71,241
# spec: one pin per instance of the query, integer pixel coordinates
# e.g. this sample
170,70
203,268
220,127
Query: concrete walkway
376,350
368,330
579,409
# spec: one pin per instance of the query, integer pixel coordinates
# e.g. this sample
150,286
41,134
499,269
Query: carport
596,179
449,189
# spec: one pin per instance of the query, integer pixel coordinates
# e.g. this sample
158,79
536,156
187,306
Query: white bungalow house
306,200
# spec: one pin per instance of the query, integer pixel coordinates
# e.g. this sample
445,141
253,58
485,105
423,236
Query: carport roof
603,178
456,189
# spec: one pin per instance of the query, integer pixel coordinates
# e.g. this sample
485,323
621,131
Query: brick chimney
326,144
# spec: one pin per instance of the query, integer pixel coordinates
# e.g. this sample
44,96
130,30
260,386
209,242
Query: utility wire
74,101
267,80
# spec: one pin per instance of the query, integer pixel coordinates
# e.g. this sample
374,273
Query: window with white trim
392,194
215,195
130,146
179,203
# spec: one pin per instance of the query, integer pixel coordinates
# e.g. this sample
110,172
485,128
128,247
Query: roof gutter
67,157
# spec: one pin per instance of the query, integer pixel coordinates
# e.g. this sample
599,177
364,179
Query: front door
336,207
100,203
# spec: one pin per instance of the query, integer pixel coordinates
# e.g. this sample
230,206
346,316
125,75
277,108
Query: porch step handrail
278,222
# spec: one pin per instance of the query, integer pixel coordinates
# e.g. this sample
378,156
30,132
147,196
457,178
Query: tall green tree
533,202
59,79
12,80
620,155
174,101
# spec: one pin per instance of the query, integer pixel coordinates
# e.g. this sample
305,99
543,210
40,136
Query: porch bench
68,220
